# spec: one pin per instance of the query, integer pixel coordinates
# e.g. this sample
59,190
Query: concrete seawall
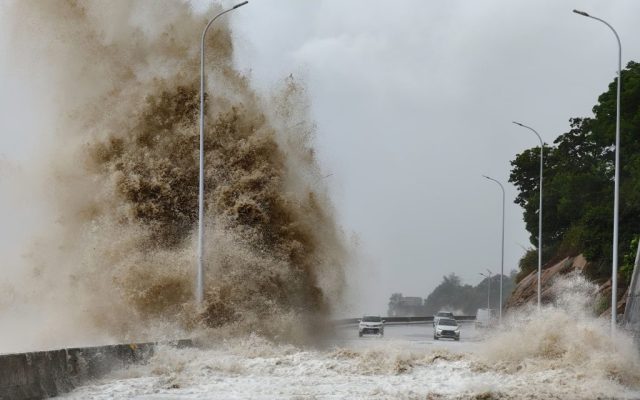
44,374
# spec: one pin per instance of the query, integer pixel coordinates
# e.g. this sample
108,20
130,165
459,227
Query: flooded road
404,364
417,336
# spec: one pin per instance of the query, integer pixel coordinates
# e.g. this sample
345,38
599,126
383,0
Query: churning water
561,353
117,261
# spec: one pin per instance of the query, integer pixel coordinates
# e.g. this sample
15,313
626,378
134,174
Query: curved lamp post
539,211
200,277
616,182
502,256
489,276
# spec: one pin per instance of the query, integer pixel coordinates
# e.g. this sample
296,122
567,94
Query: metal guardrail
403,320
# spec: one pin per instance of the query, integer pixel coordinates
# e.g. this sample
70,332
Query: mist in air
118,260
102,244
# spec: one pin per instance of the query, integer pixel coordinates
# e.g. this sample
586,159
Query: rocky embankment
526,290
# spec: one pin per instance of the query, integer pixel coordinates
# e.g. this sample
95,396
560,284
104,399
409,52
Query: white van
485,317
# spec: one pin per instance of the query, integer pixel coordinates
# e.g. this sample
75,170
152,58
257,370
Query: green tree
394,303
578,191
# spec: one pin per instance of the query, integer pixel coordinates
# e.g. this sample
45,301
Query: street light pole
200,274
489,300
539,213
502,256
488,290
616,182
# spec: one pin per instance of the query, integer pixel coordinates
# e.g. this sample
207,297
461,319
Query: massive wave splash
123,77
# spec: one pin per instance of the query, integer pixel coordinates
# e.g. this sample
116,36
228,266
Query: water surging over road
561,353
123,78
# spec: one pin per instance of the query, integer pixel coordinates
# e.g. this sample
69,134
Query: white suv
370,325
446,328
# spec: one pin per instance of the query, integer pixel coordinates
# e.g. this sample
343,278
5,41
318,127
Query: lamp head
581,13
240,5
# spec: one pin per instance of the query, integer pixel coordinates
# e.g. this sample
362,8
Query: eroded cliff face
526,291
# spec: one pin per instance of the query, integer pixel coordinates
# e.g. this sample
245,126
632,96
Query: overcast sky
413,101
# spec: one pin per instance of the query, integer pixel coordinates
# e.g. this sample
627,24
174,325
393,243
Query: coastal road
415,335
404,364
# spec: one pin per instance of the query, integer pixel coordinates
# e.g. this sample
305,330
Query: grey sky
413,101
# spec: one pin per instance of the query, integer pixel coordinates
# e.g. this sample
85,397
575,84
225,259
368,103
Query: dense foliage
578,183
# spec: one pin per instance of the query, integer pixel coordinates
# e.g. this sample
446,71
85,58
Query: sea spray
562,353
564,339
122,178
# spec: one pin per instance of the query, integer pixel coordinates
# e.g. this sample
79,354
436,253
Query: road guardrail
403,320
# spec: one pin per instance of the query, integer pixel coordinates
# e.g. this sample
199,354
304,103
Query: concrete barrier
44,374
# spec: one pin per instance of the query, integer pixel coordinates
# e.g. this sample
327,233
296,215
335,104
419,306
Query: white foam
561,353
256,369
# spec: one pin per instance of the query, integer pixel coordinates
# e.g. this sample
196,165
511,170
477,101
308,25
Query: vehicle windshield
448,322
371,319
445,314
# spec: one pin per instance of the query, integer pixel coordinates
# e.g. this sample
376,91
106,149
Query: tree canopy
578,182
